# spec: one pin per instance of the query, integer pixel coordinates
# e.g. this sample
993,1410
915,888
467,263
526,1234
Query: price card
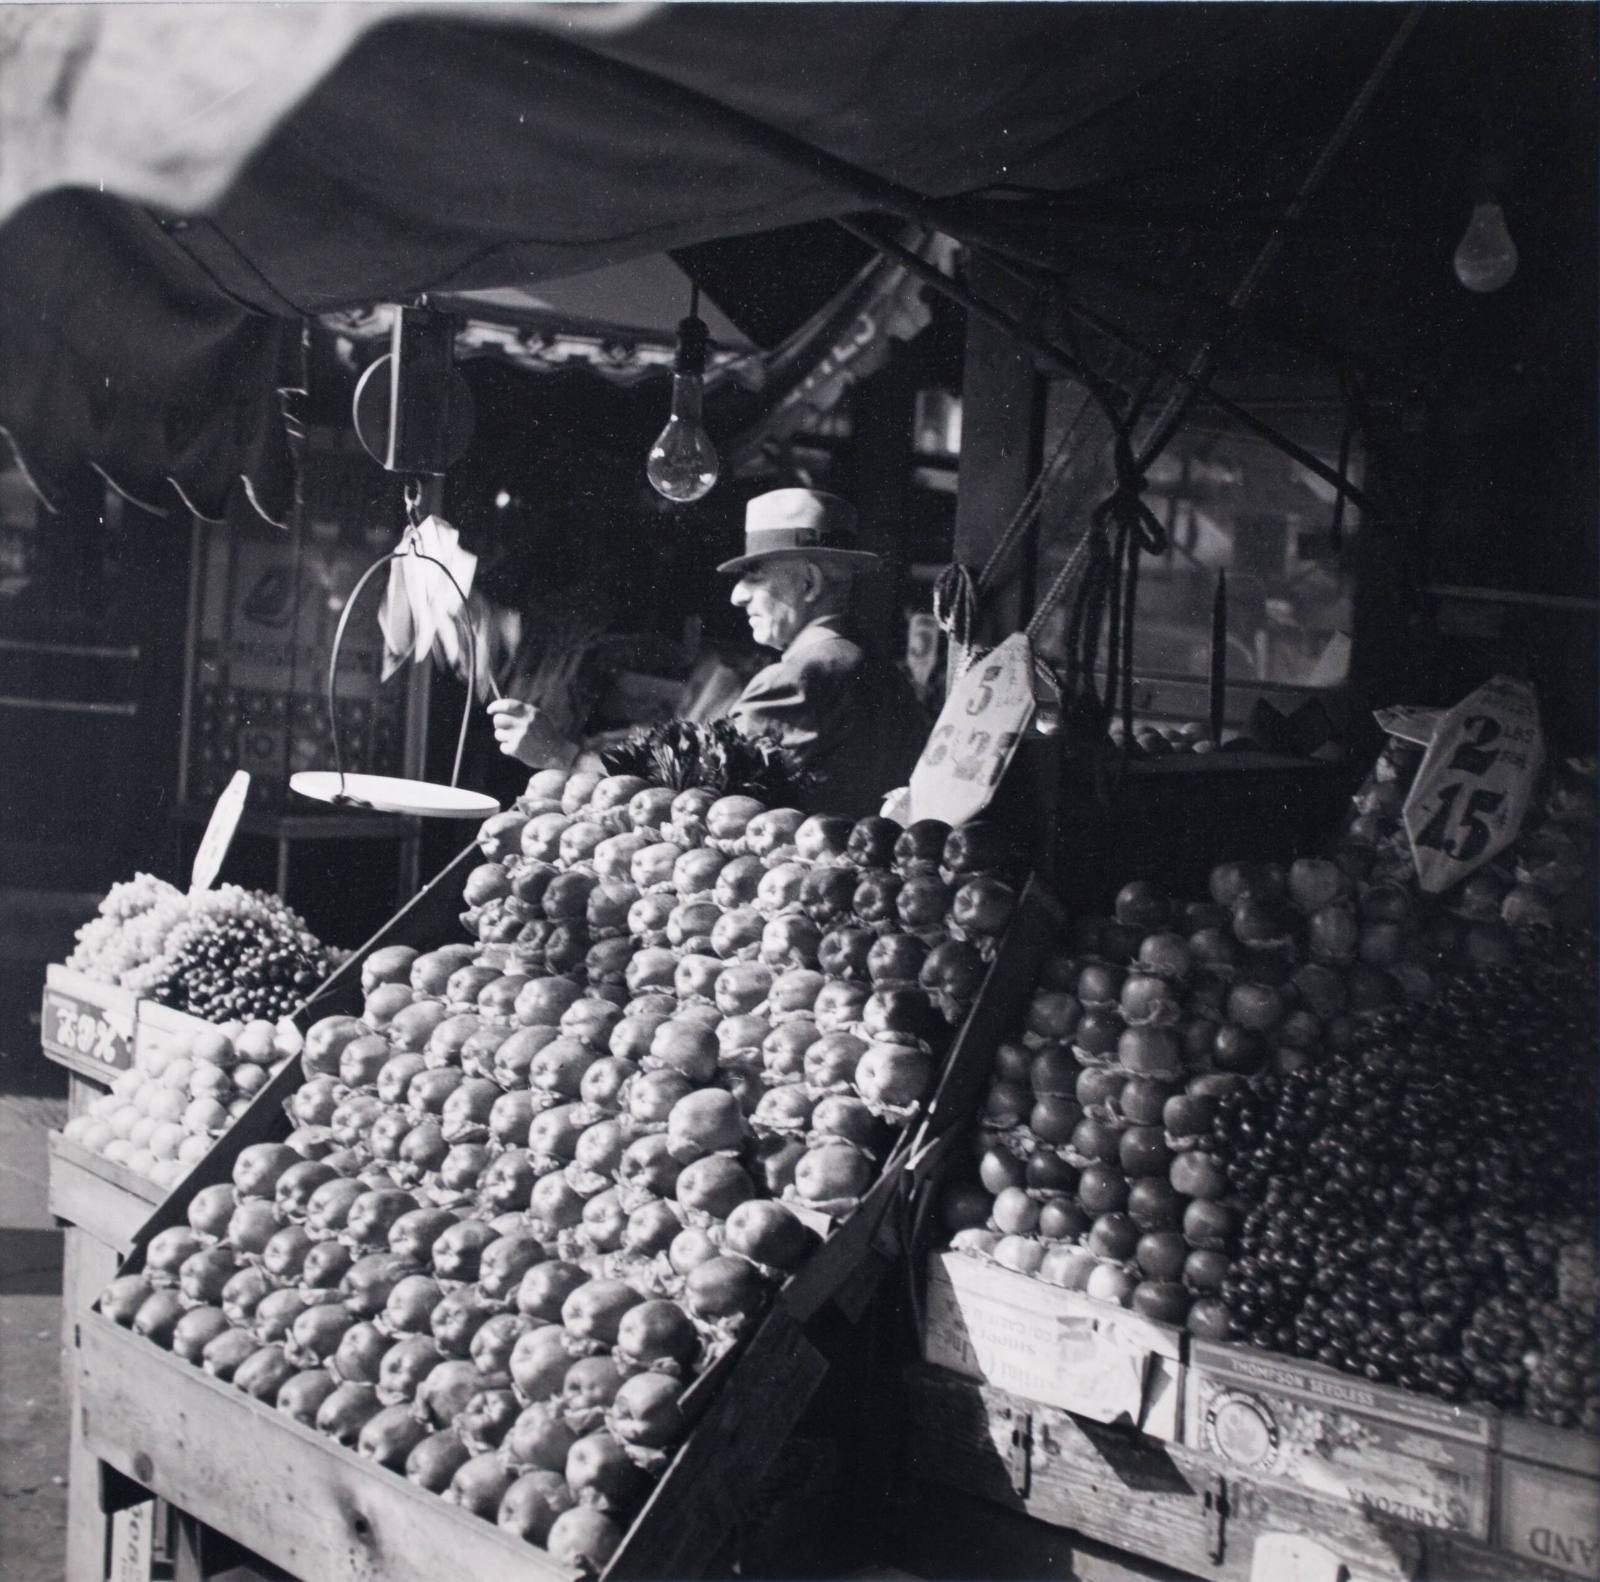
979,727
96,1040
1476,780
219,833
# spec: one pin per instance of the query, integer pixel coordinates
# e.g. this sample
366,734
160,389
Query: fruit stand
142,1072
699,1036
1276,1124
747,1039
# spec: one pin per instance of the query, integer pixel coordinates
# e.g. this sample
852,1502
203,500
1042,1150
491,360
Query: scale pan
389,794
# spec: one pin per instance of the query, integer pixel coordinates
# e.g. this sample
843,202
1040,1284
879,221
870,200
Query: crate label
1051,1346
1550,1516
1390,1453
1472,792
94,1039
1294,1557
133,1543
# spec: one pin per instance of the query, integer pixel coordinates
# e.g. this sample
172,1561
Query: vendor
843,710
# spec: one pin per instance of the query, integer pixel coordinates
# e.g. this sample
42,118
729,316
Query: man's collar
820,629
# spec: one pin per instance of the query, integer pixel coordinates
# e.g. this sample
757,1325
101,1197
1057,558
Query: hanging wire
408,547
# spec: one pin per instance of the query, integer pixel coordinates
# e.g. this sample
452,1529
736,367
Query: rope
1122,529
957,593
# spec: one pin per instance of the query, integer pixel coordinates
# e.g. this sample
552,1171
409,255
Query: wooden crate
102,1205
1053,1347
161,1030
324,1514
1031,1481
285,1491
349,1522
1126,1489
103,1199
1389,1452
1548,1496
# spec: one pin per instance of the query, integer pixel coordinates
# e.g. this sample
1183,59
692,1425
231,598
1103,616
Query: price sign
982,721
89,1038
219,833
1476,780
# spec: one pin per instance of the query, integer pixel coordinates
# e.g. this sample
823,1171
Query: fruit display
223,954
1419,1214
548,1177
164,1112
1159,739
1545,879
1323,1114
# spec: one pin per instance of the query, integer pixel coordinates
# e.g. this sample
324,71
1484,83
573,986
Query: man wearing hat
847,714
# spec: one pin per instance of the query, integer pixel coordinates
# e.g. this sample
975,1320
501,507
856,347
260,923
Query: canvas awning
260,164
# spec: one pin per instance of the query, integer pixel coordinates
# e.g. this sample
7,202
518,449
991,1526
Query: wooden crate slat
708,1486
284,1491
106,1200
1007,987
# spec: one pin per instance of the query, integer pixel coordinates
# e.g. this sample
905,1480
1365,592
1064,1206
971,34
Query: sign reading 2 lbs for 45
1473,789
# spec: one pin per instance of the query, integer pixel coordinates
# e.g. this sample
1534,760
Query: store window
1235,510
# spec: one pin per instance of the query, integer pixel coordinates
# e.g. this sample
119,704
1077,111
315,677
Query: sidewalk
33,1424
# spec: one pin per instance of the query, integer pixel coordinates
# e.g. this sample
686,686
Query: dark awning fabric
117,351
438,155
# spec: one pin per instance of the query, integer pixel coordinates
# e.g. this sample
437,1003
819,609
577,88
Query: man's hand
523,733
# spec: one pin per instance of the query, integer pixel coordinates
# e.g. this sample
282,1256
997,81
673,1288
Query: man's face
774,596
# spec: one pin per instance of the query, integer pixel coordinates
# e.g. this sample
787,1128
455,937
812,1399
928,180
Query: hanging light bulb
682,464
1486,257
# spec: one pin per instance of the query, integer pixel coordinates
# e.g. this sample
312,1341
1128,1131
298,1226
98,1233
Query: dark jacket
848,715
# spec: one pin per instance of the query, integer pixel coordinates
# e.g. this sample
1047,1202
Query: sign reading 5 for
1476,781
976,736
86,1031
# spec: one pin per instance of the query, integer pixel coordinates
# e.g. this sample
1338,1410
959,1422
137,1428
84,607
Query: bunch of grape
129,929
225,954
238,954
1406,1197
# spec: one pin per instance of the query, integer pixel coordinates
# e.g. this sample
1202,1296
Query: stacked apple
1092,1171
545,1180
164,1112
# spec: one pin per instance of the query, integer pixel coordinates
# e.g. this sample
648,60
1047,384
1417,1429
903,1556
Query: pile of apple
1091,1169
545,1180
164,1112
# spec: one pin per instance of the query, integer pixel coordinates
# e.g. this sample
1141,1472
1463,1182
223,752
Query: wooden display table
101,1206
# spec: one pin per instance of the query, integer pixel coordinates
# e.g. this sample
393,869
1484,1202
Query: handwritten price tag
219,833
976,737
1476,780
86,1037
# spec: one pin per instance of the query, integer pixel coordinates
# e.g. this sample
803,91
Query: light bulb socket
693,339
